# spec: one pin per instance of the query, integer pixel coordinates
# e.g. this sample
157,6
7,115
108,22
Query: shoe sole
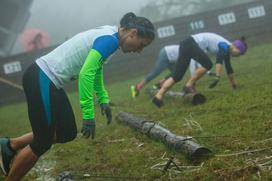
1,162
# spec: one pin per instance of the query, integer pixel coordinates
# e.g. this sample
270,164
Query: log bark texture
183,144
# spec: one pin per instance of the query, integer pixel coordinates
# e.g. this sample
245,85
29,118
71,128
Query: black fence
251,20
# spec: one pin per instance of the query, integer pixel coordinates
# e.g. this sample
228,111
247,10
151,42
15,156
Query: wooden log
194,98
187,146
182,144
136,123
147,127
158,132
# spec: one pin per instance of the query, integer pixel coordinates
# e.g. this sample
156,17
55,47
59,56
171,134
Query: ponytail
127,18
243,38
143,25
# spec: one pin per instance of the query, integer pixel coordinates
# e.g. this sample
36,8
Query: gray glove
88,128
106,110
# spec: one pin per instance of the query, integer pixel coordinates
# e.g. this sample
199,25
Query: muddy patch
43,170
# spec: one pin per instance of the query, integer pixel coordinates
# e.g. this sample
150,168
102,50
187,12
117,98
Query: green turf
231,121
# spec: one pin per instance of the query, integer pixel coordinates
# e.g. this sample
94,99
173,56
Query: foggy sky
64,18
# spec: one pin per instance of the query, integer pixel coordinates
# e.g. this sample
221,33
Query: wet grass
231,122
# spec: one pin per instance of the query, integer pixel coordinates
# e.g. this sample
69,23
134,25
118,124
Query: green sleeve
89,75
99,88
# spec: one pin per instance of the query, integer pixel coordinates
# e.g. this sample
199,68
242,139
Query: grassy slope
241,119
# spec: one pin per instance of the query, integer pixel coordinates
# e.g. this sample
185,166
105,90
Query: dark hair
243,38
143,25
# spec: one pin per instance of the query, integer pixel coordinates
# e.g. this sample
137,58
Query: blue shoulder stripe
106,45
224,46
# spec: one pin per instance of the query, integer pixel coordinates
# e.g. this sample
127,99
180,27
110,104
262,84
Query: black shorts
50,113
188,50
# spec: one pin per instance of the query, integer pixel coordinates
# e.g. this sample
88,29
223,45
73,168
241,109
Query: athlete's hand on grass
214,82
157,102
106,110
88,128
